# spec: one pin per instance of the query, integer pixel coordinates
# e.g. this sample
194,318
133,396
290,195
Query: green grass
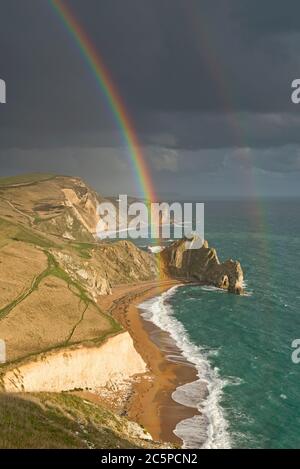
7,232
53,269
35,283
83,249
38,219
59,421
11,231
28,236
15,232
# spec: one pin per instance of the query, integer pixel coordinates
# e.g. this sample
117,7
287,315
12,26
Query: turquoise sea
249,388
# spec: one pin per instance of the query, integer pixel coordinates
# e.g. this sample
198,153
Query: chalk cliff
84,367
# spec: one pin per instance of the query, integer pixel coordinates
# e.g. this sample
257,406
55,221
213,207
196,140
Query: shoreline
151,403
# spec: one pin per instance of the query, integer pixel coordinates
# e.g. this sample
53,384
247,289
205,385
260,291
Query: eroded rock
201,265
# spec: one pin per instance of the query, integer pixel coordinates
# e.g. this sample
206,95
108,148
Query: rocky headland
201,265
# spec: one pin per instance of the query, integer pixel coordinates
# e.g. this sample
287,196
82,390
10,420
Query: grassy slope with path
61,420
54,270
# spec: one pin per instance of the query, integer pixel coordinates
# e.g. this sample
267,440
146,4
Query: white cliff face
83,204
83,272
116,360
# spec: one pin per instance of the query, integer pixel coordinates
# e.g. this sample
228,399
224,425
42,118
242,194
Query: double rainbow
112,97
114,102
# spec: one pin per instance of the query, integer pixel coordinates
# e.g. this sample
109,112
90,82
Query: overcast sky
206,82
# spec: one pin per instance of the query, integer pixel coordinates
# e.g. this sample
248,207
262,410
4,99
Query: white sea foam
155,249
247,291
212,288
209,429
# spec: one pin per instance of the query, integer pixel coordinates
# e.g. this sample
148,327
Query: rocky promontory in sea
201,265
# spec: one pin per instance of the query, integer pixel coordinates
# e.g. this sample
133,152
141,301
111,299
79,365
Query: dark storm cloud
50,90
268,16
204,81
220,130
173,55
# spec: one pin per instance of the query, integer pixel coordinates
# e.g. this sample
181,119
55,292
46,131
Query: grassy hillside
51,420
52,271
41,306
50,278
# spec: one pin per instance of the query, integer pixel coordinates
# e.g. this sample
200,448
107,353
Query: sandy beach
151,404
